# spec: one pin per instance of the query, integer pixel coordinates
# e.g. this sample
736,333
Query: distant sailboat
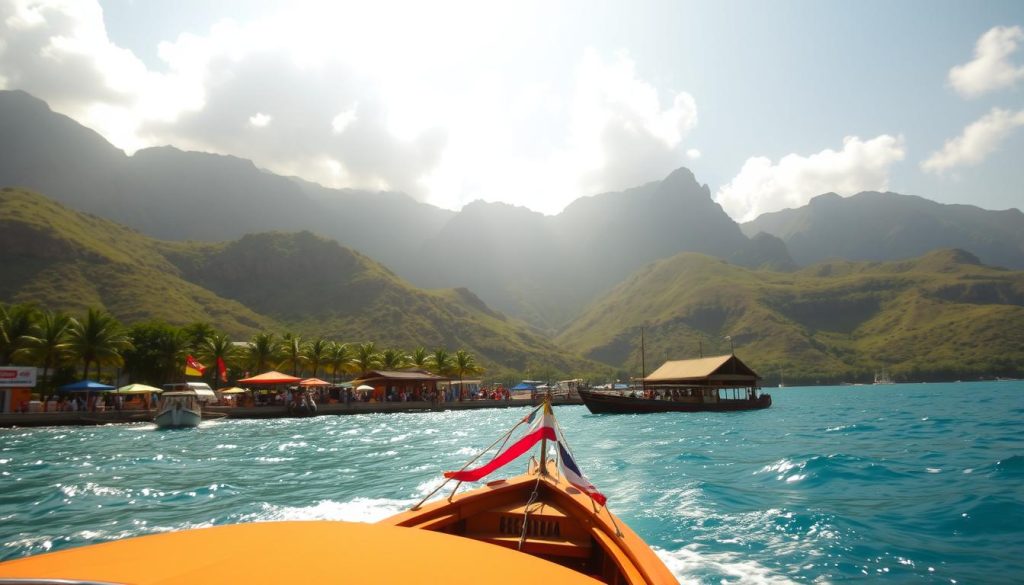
883,378
782,379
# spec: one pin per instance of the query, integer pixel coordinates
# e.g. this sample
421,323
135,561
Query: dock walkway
47,419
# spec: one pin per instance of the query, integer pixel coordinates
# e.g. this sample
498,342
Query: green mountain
171,194
890,226
319,287
62,259
539,268
941,316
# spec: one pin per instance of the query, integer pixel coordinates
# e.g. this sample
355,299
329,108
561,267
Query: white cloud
260,120
991,68
692,154
979,139
504,142
317,91
619,127
761,186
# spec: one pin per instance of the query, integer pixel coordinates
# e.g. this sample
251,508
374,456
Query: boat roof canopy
200,389
721,370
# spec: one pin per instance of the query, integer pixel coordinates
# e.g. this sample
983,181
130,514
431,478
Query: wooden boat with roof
712,384
549,524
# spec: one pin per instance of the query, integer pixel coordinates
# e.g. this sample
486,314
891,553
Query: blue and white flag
574,476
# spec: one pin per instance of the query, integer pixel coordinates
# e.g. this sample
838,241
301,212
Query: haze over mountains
500,259
66,260
889,226
544,269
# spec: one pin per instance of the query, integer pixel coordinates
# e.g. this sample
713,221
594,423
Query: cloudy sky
538,103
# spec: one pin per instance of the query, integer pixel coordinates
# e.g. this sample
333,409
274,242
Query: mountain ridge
543,269
943,315
62,259
888,226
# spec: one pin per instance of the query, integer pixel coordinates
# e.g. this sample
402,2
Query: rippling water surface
918,483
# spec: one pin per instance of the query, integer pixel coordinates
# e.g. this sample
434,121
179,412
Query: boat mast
643,363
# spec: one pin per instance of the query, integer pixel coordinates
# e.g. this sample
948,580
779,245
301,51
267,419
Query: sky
539,103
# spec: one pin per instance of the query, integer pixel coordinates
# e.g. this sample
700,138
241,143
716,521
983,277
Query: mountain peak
22,99
681,176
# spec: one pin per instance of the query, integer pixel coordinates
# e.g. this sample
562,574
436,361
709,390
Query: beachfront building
16,386
393,385
454,388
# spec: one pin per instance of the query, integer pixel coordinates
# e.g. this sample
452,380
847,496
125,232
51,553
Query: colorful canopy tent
314,382
137,389
86,386
233,390
271,377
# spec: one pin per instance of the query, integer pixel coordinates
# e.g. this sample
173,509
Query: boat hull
600,403
174,418
546,517
333,552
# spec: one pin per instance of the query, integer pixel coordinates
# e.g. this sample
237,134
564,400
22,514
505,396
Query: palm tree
262,351
217,347
48,347
197,334
338,355
293,352
365,358
420,359
393,359
172,347
463,364
15,322
99,339
440,362
317,352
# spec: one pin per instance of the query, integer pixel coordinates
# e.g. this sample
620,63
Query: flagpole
544,440
468,463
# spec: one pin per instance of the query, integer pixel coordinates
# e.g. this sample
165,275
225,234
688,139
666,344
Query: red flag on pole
222,369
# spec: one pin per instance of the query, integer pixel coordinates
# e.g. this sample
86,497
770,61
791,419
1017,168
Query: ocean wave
817,470
1012,466
691,564
355,510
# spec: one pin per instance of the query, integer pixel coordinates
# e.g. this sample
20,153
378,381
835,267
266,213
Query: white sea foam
356,510
690,565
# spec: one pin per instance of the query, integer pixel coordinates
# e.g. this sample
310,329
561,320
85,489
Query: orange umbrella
271,377
314,382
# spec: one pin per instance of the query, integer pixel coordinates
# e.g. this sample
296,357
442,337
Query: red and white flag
542,428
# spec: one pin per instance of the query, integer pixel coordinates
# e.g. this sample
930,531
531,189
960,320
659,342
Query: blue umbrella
85,386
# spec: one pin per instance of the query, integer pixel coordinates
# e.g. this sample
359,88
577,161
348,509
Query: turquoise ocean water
915,483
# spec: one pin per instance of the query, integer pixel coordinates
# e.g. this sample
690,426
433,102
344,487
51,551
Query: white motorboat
181,404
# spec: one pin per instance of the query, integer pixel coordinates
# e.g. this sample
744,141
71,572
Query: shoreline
53,419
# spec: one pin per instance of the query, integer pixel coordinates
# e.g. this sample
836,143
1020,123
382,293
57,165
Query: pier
46,419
